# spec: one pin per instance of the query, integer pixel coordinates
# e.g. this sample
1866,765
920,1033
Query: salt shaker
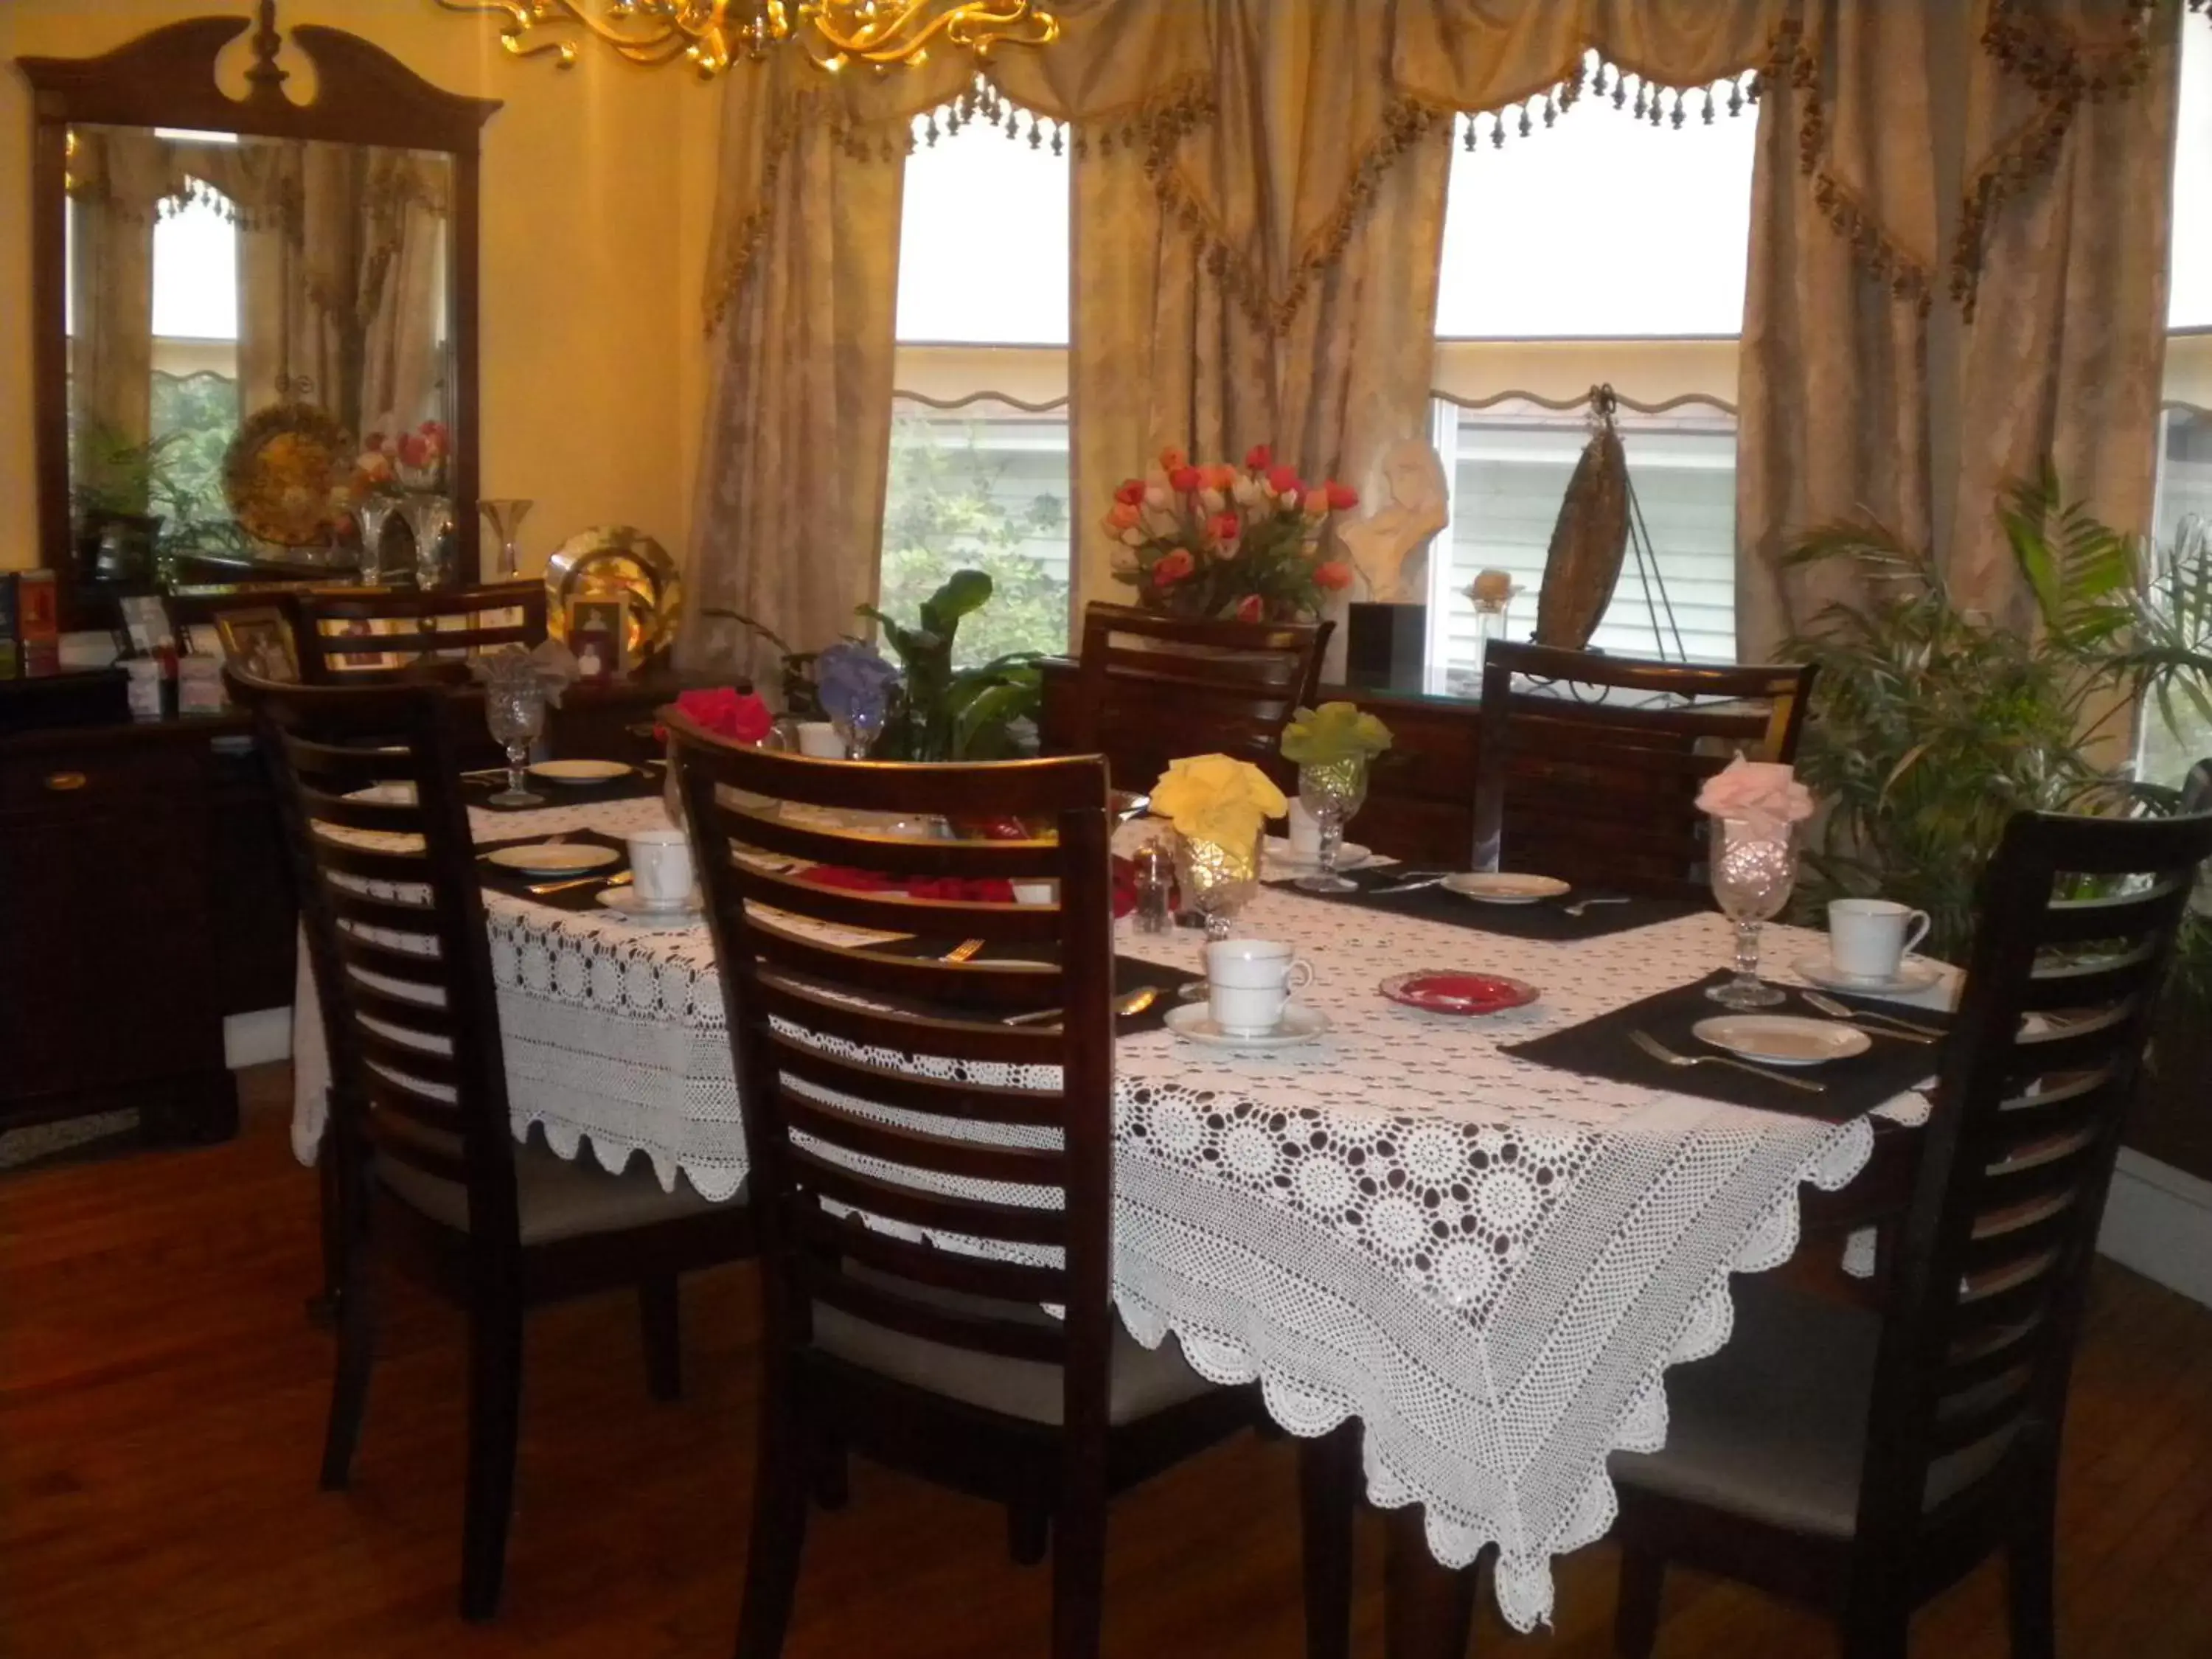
1155,878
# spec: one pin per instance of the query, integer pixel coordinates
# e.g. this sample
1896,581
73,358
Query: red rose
1341,497
1284,480
1225,526
1131,492
727,713
1250,610
415,450
1259,458
1172,458
1333,575
1173,568
1184,479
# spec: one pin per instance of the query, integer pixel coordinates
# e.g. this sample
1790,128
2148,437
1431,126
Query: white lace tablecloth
1490,1263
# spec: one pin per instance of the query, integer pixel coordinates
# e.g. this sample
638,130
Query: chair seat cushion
1145,1380
558,1198
1773,1427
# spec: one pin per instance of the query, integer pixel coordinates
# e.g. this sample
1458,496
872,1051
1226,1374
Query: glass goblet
1753,871
1331,791
1218,880
859,726
515,714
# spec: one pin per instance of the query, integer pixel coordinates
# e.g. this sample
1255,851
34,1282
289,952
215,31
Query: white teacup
1248,984
819,738
1868,937
661,869
1304,832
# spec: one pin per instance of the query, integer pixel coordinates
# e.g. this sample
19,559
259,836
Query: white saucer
1783,1039
1194,1023
625,902
1498,887
580,771
553,857
1913,974
1282,856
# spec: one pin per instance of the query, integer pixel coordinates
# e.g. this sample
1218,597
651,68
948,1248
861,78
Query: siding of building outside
2185,491
1509,468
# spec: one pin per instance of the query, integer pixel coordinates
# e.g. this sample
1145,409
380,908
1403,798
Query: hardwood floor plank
161,1401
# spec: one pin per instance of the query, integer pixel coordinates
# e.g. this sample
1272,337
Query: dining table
1485,1261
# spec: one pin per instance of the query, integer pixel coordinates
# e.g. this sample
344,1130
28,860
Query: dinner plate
1194,1023
1281,855
1498,887
1783,1039
1448,991
553,857
626,902
580,771
1913,974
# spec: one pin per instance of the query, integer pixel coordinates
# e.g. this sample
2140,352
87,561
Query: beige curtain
1832,399
117,178
2060,267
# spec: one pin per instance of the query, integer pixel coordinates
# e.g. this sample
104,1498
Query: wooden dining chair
1588,766
369,635
1863,1462
1153,689
428,1172
929,1182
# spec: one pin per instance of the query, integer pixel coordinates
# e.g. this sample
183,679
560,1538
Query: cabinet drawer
61,778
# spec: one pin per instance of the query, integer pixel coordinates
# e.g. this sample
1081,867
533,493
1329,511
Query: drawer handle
63,782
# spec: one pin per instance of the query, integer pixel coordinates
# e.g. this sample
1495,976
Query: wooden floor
161,1402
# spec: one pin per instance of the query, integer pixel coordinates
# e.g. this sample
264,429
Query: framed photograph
258,640
146,619
597,634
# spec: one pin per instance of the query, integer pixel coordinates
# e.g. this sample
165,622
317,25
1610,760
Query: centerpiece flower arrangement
1220,808
1213,541
1332,747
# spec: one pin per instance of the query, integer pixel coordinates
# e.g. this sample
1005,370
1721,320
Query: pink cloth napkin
1763,796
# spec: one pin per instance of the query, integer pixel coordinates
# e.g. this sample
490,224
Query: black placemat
1130,974
1547,919
517,883
479,792
1601,1048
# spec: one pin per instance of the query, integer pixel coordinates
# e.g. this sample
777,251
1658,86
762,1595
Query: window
979,455
195,353
2185,459
1641,286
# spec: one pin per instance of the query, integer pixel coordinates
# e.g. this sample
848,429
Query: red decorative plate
1451,992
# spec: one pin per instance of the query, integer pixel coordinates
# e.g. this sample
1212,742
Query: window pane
983,239
195,273
2185,491
1509,467
984,487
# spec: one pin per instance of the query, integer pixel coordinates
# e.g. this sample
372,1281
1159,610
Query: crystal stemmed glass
1331,791
1753,872
505,514
428,517
372,513
859,726
1216,880
514,713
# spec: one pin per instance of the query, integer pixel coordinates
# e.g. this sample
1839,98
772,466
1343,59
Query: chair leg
1328,1500
832,1489
660,1312
780,1472
2030,1566
1028,1532
1636,1614
323,1306
494,1424
356,1357
1078,1573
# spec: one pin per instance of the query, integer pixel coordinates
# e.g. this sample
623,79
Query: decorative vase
1489,624
372,515
505,514
428,518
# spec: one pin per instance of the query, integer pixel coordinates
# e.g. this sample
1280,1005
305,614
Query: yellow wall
597,197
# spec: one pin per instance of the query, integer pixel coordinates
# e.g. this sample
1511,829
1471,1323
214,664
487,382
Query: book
38,623
10,642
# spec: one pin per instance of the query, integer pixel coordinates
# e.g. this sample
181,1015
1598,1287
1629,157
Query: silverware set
1666,1056
1873,1023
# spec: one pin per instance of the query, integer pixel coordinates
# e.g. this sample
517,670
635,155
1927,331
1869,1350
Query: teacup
1248,984
1304,832
1868,937
661,869
820,739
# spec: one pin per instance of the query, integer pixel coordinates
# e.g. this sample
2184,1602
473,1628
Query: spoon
1908,1033
1134,1002
1581,905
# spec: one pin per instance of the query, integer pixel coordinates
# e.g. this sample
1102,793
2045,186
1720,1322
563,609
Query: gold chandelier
711,34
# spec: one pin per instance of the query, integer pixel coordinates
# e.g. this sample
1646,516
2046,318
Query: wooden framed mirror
233,299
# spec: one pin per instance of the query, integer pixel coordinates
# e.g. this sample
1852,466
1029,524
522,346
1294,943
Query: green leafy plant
942,713
1931,724
111,474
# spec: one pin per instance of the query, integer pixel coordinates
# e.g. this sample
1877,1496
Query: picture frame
258,638
598,634
146,622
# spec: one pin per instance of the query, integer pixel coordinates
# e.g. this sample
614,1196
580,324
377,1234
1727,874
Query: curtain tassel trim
1659,104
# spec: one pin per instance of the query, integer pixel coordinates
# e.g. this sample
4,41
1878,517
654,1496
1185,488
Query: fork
1902,1029
621,879
1133,1002
962,951
1659,1052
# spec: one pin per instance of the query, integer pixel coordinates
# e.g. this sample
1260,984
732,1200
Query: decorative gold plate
613,559
285,474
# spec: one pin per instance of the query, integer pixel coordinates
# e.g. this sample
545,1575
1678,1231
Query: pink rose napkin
1762,795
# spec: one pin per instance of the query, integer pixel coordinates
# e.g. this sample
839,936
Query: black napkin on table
1545,918
1601,1047
1130,974
517,883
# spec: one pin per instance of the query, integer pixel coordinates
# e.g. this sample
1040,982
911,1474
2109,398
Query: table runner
1547,919
1489,1262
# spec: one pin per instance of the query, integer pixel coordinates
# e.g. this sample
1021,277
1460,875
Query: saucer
580,771
1448,992
1194,1023
1913,974
625,901
1498,887
1282,856
1783,1039
553,857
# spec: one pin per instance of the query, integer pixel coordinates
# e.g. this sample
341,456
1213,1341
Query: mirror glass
258,346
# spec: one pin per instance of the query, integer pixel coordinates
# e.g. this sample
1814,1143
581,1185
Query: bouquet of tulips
1215,541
